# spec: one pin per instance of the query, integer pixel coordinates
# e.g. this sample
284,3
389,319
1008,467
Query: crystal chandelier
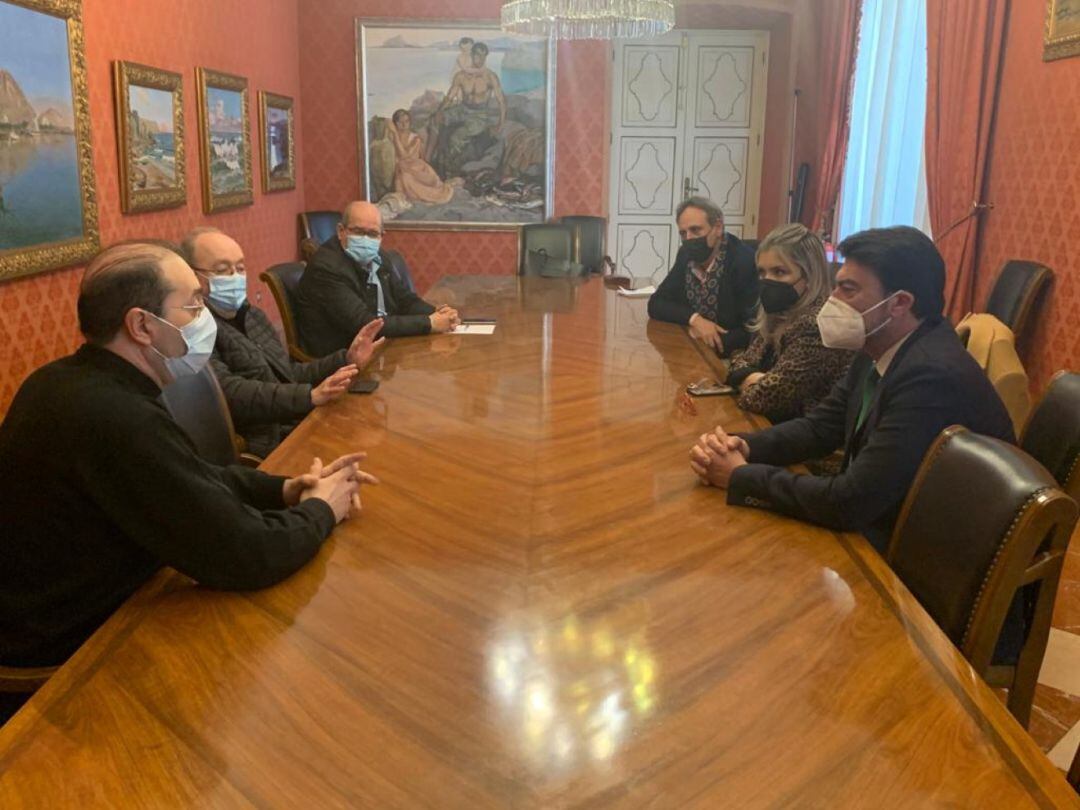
589,19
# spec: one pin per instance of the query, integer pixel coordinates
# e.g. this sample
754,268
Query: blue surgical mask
363,249
228,293
199,337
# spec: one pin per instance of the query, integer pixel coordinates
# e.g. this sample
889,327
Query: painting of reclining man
456,124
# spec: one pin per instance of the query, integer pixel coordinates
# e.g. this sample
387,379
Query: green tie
869,386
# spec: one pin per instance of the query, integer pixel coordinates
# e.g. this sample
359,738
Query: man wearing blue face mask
102,488
268,392
349,282
911,379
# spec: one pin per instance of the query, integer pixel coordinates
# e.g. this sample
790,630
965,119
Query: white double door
687,120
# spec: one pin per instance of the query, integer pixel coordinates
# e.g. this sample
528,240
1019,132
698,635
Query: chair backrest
991,344
315,228
1014,293
1052,433
548,243
198,405
1074,771
283,279
400,268
965,565
588,240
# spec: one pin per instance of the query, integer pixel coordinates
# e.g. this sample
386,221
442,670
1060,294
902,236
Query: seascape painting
225,140
276,127
47,217
150,137
456,124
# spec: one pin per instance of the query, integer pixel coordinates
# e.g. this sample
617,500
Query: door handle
687,188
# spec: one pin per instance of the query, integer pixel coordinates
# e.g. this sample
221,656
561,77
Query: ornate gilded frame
133,200
16,262
279,103
1062,29
362,23
205,78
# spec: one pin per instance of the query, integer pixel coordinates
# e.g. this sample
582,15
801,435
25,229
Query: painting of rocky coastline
225,140
149,124
46,215
456,124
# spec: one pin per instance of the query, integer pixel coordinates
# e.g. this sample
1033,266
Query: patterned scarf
703,286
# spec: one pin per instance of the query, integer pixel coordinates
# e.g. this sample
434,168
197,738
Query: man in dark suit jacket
349,282
713,287
267,391
912,379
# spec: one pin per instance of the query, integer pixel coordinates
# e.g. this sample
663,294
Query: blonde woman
786,369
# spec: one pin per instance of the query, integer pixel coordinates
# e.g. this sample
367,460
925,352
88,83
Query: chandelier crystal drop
589,19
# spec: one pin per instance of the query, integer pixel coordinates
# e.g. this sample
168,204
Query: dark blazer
334,299
739,290
268,392
931,383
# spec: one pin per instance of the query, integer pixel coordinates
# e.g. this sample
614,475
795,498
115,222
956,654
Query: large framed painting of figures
224,140
456,123
48,203
149,137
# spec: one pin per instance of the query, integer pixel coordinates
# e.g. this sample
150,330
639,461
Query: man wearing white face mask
911,380
267,391
102,487
349,282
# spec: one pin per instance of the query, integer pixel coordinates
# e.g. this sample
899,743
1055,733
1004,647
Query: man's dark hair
465,41
902,258
480,47
121,277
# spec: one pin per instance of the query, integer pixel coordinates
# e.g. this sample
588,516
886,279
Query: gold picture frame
49,130
146,153
224,140
1062,29
278,142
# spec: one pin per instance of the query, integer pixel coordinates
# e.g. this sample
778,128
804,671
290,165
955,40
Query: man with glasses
102,488
349,282
268,392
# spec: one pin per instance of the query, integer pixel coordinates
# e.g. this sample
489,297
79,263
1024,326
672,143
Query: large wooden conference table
539,607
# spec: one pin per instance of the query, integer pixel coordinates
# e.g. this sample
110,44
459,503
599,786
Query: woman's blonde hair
799,248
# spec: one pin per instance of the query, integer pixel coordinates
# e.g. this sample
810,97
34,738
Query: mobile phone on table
708,388
363,386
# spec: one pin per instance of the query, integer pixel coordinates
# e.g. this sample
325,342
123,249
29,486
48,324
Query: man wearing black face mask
713,287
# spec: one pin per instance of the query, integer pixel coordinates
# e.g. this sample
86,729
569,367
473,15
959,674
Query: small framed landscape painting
48,203
224,140
1062,29
150,137
278,150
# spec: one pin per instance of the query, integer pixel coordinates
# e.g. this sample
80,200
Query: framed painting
278,149
149,137
1062,29
456,123
224,140
48,203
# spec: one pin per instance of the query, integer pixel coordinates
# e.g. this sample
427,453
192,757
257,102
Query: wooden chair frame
288,325
1032,550
23,680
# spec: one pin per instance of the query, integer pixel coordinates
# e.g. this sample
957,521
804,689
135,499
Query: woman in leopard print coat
786,369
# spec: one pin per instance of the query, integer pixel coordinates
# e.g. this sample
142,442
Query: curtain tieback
976,208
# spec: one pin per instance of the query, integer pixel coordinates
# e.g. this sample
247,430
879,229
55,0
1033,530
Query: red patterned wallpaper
37,314
1034,183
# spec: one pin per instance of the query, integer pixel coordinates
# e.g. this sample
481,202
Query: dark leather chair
315,228
23,680
1074,771
198,405
1013,296
966,565
545,249
590,235
400,269
1052,433
283,279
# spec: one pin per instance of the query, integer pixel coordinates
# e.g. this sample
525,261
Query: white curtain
885,172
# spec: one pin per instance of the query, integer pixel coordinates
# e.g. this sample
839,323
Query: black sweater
102,488
738,299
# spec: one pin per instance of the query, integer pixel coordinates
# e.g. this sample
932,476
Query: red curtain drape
838,36
965,41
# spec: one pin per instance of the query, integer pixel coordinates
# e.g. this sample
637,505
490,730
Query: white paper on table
473,329
641,292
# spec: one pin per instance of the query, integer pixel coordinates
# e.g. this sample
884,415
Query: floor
1055,721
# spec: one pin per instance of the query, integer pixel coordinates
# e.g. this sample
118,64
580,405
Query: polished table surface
539,607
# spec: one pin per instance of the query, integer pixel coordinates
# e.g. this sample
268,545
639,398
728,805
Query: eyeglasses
356,230
195,310
223,269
